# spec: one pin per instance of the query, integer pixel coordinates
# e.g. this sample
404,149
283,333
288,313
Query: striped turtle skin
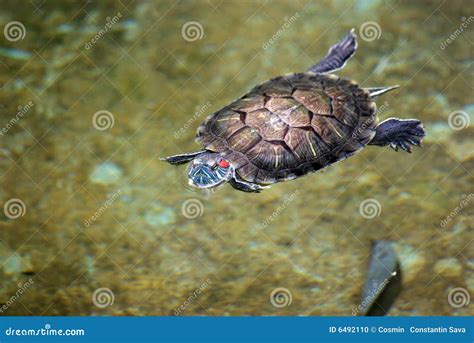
290,126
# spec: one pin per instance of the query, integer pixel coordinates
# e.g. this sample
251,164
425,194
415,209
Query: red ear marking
224,164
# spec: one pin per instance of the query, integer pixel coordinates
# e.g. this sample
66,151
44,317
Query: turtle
293,125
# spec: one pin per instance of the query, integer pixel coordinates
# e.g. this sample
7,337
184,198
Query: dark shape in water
384,280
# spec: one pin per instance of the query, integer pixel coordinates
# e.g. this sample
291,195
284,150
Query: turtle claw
404,145
411,136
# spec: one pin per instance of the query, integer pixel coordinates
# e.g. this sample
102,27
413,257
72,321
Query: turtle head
209,170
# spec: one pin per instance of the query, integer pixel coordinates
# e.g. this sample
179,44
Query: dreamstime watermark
22,287
110,22
367,124
370,31
189,300
199,111
287,200
375,290
281,297
192,208
285,26
102,208
46,331
14,31
382,108
465,200
103,120
103,297
453,36
192,31
370,208
14,208
459,297
21,111
370,122
458,120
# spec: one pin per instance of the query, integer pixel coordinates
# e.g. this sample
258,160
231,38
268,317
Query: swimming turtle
293,125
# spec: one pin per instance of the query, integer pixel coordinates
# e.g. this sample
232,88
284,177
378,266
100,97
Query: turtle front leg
399,133
182,158
245,186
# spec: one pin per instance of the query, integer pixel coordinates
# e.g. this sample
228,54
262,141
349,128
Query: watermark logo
21,111
281,297
285,26
103,208
376,289
369,123
199,111
22,287
103,297
192,208
287,200
14,208
103,120
382,108
197,292
108,25
458,120
465,22
459,297
370,31
14,31
192,31
465,200
370,208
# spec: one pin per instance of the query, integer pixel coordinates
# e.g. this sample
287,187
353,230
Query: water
107,89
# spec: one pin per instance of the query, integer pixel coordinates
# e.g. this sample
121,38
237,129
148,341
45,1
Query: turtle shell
290,126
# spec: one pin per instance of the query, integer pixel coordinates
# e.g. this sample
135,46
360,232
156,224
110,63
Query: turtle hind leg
337,56
182,158
399,133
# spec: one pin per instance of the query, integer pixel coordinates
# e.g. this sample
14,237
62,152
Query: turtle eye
223,163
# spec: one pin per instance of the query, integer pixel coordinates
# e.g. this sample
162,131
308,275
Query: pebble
15,54
106,173
470,263
469,109
412,262
470,283
462,151
448,268
160,215
15,264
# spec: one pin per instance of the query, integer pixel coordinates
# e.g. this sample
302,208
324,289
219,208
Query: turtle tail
375,92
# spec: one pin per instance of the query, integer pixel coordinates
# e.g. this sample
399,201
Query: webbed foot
399,134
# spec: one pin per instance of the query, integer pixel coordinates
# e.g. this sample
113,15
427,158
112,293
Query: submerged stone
106,174
412,261
15,54
160,215
448,268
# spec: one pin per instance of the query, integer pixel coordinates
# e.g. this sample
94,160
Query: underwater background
93,223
